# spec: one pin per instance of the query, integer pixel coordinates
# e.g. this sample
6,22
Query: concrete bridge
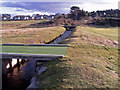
43,52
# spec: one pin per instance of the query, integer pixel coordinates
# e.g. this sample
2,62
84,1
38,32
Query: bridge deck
31,51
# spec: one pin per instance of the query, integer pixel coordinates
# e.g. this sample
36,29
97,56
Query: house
45,16
51,17
6,16
22,17
41,17
57,15
0,17
37,17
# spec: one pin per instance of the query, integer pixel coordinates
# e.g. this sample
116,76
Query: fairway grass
44,50
110,33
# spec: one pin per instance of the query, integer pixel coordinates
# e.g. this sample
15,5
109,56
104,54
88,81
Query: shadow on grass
39,25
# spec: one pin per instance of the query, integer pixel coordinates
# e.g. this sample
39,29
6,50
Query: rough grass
31,35
85,66
19,24
49,50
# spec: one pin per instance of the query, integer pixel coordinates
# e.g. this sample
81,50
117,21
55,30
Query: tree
76,13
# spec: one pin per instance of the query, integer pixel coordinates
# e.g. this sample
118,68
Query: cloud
96,6
19,11
23,7
50,7
61,0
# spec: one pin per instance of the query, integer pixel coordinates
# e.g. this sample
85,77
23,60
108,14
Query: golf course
91,60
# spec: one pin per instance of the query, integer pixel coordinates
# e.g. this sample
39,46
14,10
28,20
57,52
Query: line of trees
76,13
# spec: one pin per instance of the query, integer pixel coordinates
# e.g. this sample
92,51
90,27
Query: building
22,17
41,17
51,17
37,17
6,16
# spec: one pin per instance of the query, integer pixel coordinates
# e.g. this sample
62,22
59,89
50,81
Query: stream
20,77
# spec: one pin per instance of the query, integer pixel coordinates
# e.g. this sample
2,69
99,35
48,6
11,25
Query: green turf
110,33
49,50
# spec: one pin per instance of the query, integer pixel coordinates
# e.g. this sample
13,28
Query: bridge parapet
30,56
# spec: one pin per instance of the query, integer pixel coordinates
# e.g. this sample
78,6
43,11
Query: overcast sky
21,7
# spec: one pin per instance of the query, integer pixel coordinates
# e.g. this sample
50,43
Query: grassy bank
31,35
94,35
87,65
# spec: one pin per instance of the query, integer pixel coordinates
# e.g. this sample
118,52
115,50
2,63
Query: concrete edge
37,55
57,45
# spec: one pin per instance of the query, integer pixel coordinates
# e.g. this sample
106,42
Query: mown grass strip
51,50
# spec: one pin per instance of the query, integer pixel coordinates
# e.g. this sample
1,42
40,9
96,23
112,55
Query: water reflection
21,75
14,62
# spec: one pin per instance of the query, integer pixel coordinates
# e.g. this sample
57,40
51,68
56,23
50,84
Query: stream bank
41,67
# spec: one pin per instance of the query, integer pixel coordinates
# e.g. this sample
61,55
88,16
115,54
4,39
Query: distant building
28,17
41,17
45,16
6,16
22,17
0,17
51,17
57,15
37,17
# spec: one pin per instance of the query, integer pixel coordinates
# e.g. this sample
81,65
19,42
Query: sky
29,7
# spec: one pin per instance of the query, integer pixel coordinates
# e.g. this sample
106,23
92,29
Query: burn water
20,77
